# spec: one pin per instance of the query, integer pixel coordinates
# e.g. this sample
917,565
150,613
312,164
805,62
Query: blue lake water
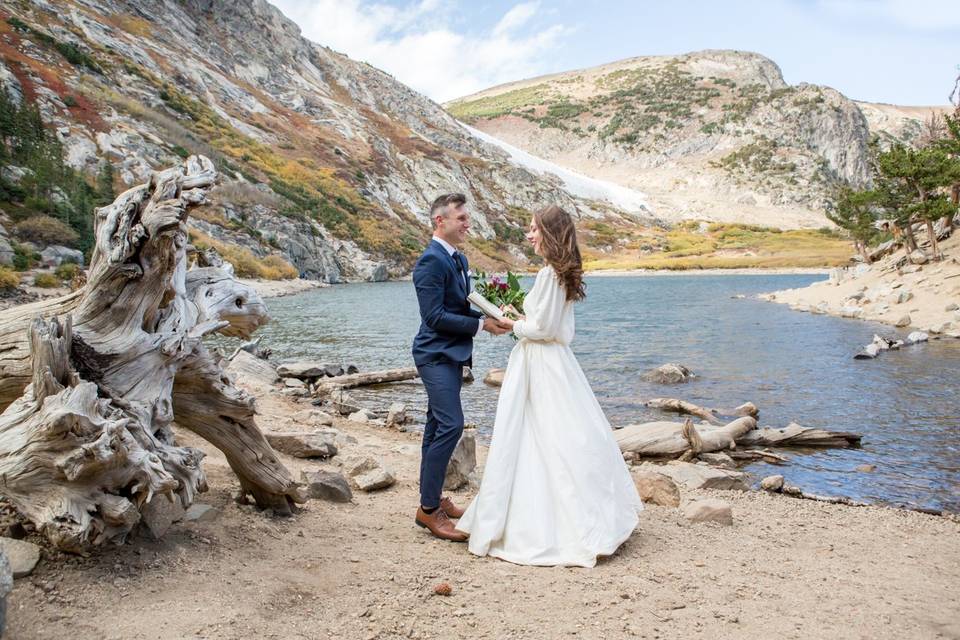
794,366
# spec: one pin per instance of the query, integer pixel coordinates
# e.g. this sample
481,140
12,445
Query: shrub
67,271
46,281
8,278
46,230
276,268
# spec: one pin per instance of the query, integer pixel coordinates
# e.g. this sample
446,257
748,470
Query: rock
293,383
870,351
670,373
916,337
494,377
462,462
307,370
696,476
905,296
315,418
772,483
467,374
6,251
319,444
55,255
904,321
911,268
718,460
943,328
326,485
251,370
656,488
396,414
953,306
919,257
896,285
861,270
361,415
22,556
866,468
160,513
709,510
368,474
351,369
849,311
6,586
199,512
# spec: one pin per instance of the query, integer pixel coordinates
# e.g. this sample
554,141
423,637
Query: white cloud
419,45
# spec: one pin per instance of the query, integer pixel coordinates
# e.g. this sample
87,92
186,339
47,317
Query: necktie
458,258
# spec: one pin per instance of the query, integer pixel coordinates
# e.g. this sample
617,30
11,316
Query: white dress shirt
451,250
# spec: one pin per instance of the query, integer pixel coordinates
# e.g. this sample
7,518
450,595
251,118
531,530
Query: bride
555,488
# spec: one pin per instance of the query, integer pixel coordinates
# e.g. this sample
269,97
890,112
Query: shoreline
921,297
363,570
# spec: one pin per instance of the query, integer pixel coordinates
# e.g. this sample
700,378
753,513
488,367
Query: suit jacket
447,323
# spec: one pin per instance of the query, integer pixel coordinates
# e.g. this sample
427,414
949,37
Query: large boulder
55,255
670,373
656,488
462,462
919,257
252,371
318,444
699,476
326,485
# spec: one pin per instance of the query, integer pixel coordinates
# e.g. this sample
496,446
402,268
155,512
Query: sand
786,568
924,299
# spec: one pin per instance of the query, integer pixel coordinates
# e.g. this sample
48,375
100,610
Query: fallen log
682,407
795,435
751,455
671,439
87,441
365,379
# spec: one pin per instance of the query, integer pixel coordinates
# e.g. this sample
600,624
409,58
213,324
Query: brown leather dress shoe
439,525
451,509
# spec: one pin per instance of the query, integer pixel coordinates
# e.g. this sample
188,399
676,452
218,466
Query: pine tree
855,211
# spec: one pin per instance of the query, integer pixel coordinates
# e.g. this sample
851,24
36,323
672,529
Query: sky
895,51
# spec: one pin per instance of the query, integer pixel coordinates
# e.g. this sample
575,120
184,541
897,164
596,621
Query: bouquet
498,291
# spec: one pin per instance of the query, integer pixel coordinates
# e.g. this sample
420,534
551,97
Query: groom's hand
493,326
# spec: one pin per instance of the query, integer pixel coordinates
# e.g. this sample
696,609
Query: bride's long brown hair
558,242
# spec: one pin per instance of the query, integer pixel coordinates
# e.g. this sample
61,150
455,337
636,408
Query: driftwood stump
88,441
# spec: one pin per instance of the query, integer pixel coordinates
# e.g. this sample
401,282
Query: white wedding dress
555,488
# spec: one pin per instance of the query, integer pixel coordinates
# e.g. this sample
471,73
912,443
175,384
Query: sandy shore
924,297
787,568
280,288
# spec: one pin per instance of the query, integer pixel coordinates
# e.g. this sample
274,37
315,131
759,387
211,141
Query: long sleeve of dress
544,318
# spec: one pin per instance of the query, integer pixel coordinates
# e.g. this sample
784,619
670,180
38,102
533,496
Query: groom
442,347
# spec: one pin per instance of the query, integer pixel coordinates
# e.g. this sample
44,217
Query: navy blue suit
442,347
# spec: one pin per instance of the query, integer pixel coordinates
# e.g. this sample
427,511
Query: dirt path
786,568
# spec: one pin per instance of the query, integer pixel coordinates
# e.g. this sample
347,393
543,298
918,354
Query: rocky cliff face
714,135
337,160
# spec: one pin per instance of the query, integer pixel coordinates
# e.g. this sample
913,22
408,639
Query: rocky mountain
329,162
710,135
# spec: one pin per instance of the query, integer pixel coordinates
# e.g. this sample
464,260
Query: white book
487,307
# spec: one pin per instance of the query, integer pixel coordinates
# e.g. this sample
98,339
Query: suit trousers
443,381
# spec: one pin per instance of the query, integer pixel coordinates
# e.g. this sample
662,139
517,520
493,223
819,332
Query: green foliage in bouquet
500,290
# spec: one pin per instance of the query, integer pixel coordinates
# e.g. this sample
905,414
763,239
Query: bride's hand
512,311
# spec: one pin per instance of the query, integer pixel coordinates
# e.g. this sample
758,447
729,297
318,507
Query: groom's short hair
440,204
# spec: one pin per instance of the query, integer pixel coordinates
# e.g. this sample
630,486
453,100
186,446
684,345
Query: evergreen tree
854,211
